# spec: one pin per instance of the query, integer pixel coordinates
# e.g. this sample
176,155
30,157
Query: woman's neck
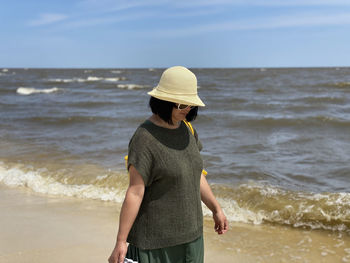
160,122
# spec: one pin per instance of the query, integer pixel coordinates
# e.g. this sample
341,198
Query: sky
164,33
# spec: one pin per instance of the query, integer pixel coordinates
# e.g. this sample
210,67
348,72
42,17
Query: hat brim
192,100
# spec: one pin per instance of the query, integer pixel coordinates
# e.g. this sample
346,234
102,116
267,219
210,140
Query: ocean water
276,141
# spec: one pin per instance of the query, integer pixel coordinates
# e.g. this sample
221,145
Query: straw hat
179,85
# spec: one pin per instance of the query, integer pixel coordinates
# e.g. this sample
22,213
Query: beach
39,228
275,144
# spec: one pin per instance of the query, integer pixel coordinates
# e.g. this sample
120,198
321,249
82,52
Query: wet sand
39,228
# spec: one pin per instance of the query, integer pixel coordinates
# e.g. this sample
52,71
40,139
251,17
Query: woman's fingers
221,224
118,253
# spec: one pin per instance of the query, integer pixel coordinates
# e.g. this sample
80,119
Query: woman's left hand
221,224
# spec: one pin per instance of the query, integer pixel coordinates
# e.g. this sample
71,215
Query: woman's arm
128,213
207,196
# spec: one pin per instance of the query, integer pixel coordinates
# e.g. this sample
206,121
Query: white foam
62,80
280,137
297,209
58,80
112,79
91,78
116,71
88,79
235,213
48,185
287,214
130,86
79,80
5,70
29,91
101,177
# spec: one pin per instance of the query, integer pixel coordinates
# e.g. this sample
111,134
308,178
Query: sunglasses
183,106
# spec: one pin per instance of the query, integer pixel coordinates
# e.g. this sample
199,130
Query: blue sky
162,33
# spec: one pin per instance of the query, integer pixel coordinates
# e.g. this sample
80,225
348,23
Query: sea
276,140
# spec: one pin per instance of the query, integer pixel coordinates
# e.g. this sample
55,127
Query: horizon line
258,67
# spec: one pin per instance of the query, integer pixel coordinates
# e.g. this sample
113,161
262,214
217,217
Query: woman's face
179,115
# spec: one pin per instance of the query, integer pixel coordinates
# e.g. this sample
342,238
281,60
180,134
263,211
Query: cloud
106,20
108,6
263,23
207,3
300,2
103,12
45,19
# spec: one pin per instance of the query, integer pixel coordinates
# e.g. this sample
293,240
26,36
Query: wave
34,180
131,86
258,204
114,79
6,73
251,203
88,79
30,91
58,80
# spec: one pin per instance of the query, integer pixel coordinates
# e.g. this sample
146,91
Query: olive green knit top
170,165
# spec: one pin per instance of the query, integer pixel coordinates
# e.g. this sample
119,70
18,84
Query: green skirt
192,252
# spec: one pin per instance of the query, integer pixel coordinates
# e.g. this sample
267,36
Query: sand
39,228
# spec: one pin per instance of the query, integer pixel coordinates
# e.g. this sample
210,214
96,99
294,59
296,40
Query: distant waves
88,79
29,91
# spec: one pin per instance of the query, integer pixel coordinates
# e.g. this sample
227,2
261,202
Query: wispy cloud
299,2
106,20
126,4
108,6
286,21
207,3
45,19
103,12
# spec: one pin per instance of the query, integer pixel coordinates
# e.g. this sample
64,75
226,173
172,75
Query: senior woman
161,217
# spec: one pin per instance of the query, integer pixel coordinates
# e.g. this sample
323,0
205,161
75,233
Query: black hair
164,110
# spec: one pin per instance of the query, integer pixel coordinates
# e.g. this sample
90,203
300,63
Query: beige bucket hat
179,85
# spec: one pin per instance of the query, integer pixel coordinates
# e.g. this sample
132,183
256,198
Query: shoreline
40,228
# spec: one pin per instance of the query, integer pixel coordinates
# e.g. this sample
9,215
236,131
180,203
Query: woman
161,217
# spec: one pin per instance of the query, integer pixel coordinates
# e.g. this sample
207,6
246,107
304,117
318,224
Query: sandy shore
42,229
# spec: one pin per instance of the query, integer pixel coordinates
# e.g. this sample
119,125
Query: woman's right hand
118,253
128,213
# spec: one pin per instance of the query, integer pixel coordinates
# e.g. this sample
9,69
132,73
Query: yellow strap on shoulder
189,125
126,162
